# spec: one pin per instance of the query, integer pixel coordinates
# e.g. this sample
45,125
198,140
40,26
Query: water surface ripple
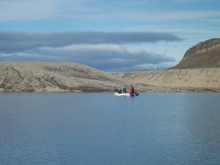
98,129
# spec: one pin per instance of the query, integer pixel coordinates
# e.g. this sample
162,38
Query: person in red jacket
131,89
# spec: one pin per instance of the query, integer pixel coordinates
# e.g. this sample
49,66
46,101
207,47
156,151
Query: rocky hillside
73,77
207,79
202,55
59,77
53,77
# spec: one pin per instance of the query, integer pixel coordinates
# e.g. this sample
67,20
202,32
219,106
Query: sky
109,35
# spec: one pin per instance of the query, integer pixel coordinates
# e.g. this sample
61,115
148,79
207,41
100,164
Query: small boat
126,94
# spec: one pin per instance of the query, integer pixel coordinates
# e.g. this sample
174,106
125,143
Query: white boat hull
126,94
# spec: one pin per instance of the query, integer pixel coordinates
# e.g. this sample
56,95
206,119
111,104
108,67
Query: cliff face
202,55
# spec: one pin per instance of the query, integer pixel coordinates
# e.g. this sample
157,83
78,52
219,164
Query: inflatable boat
126,94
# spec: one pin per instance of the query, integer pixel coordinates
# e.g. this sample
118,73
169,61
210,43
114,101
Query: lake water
103,129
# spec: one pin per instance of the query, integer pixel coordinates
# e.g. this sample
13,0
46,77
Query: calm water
102,129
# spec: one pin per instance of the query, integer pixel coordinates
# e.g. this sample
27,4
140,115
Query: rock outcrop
202,55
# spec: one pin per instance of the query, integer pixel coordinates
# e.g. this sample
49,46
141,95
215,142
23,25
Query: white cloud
78,10
134,15
89,48
176,29
168,15
28,9
121,60
101,48
212,20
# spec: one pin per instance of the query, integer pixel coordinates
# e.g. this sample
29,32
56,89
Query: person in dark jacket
118,90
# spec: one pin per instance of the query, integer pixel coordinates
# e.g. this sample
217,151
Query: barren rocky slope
207,79
202,55
53,77
205,56
59,77
73,77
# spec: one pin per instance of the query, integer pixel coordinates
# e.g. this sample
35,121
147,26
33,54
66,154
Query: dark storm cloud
20,41
103,57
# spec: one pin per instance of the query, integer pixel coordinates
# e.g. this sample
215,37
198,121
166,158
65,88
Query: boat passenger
123,89
131,89
119,90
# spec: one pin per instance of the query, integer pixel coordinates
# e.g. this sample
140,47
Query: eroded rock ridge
202,55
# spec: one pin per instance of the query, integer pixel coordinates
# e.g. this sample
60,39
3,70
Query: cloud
28,9
212,20
106,57
93,11
21,41
101,50
178,29
166,15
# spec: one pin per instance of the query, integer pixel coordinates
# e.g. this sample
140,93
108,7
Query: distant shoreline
69,77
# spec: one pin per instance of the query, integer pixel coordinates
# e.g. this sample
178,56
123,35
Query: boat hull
126,94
